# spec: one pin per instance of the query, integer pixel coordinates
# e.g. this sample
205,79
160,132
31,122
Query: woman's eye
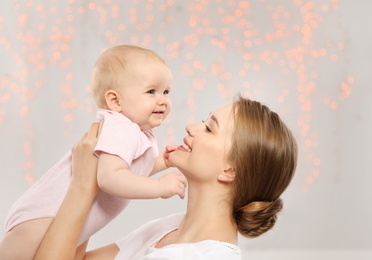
206,127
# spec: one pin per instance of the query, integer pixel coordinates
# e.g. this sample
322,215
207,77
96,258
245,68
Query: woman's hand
61,239
84,162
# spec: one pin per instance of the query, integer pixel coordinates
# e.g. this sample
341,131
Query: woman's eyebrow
215,120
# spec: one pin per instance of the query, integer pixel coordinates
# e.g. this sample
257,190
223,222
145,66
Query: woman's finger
94,130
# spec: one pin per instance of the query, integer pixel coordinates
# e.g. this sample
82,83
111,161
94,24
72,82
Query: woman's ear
228,175
113,100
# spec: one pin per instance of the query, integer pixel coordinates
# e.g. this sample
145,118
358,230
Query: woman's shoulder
163,223
136,244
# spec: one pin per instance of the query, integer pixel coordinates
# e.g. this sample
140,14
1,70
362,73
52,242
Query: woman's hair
264,154
112,69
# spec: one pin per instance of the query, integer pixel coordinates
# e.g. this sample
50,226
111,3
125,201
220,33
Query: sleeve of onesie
121,137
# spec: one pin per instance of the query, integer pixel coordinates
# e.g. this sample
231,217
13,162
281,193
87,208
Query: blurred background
310,61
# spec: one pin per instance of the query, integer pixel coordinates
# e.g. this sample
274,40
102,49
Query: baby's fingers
170,148
181,190
182,186
182,179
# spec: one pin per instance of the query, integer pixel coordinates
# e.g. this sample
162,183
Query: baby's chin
152,126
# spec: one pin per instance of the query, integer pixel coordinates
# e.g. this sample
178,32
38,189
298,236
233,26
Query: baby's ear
113,100
228,175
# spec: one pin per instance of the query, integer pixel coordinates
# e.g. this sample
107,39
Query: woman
237,164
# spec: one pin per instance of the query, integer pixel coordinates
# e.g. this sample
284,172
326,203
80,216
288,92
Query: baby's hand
173,183
168,150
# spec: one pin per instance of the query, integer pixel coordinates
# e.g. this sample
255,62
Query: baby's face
145,96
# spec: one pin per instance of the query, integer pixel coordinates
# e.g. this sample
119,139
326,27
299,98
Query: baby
131,87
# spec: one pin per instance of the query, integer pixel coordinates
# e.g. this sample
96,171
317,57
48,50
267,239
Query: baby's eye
151,91
166,92
207,127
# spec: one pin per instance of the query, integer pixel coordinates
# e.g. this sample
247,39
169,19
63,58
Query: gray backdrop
308,60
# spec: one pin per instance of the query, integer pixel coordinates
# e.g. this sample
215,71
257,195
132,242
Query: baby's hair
264,154
111,69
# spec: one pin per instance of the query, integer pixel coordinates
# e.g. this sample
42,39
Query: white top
140,244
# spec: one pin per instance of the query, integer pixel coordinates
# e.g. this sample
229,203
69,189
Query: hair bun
257,217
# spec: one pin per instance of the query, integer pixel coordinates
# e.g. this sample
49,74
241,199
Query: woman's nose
192,130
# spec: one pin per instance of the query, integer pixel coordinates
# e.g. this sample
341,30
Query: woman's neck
207,218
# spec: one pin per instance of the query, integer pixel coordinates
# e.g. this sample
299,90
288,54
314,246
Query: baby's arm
115,178
162,162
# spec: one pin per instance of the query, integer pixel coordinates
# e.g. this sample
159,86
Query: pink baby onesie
119,136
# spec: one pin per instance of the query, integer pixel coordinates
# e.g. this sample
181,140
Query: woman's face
203,156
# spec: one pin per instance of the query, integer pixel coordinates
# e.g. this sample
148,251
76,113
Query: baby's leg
23,240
